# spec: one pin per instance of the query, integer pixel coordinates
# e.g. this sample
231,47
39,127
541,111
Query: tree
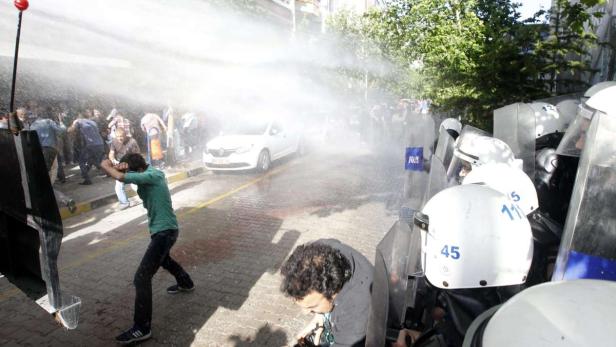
472,56
564,55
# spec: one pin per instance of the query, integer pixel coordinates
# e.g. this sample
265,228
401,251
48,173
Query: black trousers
157,255
90,156
49,154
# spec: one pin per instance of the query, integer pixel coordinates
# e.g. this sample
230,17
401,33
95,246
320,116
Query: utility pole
21,5
294,20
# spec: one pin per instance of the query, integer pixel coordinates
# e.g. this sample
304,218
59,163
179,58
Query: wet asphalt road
235,231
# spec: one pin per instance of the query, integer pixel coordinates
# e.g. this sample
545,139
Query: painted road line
87,206
117,245
233,191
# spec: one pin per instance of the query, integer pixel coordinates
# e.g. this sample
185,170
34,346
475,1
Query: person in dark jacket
333,281
93,150
48,132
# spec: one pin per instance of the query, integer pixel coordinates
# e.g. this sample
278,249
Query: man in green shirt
152,189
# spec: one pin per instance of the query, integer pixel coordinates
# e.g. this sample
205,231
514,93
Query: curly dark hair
135,162
314,267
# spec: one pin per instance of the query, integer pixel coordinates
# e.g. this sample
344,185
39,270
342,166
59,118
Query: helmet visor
575,136
458,168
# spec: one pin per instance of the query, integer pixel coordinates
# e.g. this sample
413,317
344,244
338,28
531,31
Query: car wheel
264,162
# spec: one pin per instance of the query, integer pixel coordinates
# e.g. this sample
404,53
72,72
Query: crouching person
333,281
152,189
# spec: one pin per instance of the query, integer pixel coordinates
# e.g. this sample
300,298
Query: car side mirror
274,132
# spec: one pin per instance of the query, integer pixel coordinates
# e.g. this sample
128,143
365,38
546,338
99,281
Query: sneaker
124,206
176,288
71,206
86,183
133,334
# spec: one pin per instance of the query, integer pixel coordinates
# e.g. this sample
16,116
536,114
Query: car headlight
244,149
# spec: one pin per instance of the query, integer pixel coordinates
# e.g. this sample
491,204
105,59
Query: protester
154,192
120,146
333,281
22,116
118,121
93,149
151,125
4,120
48,132
172,141
192,132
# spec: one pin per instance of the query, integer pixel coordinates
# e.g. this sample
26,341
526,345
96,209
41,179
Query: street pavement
236,229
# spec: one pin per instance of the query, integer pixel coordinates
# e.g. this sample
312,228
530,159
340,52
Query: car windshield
244,128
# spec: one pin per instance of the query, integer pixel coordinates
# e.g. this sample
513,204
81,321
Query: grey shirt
351,311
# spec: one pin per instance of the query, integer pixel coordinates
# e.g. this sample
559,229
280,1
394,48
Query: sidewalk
101,192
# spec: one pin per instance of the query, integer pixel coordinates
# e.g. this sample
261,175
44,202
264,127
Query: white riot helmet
475,237
564,314
510,181
451,124
590,92
573,141
478,151
547,119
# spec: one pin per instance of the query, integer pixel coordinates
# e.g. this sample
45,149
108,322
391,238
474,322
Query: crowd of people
85,137
387,122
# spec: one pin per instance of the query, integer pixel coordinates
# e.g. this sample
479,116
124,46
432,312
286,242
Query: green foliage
468,56
248,7
565,53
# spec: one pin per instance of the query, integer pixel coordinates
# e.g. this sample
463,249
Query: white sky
529,7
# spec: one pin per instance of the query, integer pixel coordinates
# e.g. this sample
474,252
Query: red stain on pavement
203,251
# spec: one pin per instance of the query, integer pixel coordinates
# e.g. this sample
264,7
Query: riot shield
515,125
587,248
568,108
397,263
437,179
444,147
30,227
421,136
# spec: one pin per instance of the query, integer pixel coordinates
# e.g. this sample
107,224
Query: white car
251,144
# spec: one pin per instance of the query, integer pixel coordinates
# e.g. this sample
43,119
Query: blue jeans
121,193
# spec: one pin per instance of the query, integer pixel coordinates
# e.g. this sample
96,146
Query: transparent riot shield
444,147
437,179
587,249
421,136
31,228
515,125
567,109
397,265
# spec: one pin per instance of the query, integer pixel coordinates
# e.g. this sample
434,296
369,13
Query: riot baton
21,5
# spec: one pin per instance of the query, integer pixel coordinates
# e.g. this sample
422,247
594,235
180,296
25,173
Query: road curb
83,207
